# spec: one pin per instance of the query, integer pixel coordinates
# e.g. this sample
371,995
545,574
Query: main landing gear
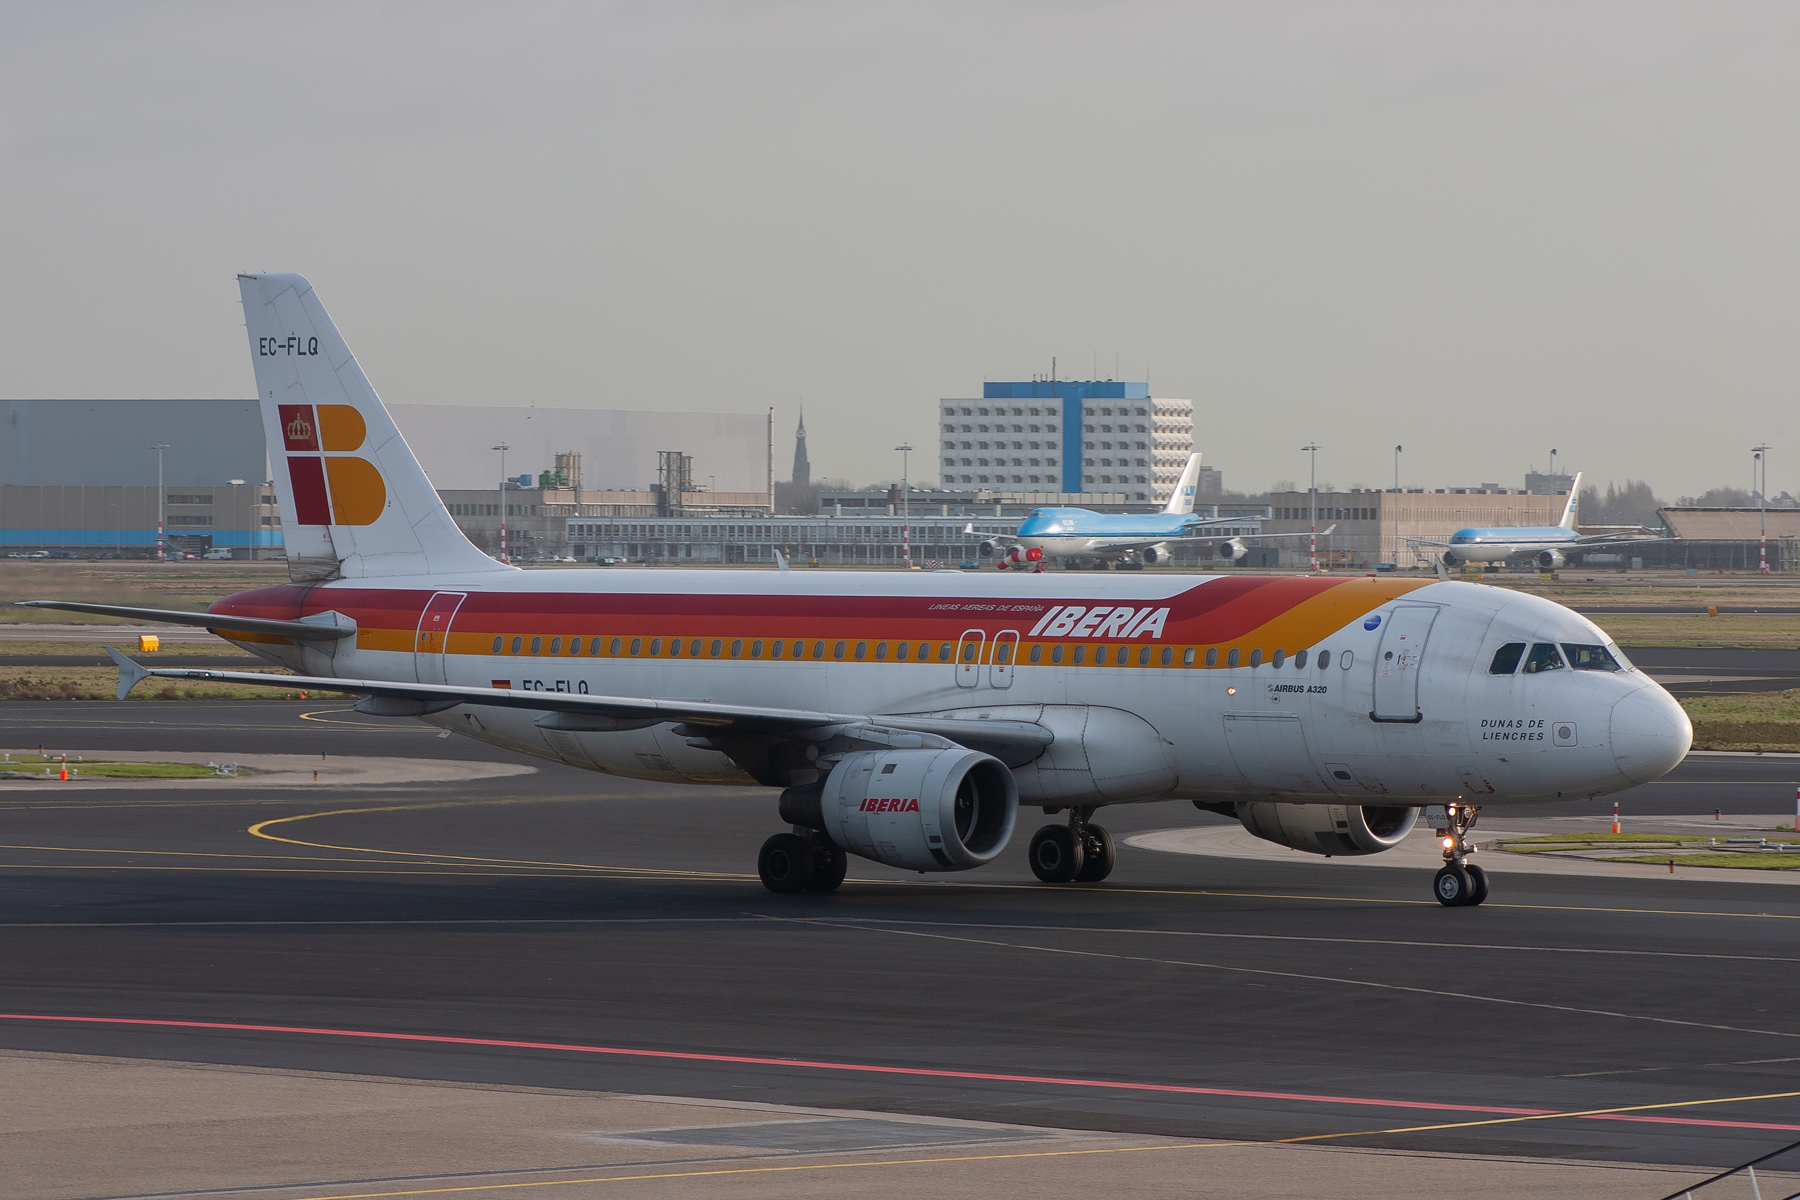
802,861
1459,882
1078,852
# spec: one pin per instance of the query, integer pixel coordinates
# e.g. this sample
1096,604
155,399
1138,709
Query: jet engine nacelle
1232,550
1449,559
989,548
1157,554
1550,560
1329,829
924,810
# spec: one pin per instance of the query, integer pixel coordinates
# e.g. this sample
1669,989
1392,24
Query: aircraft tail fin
1569,509
1181,500
354,501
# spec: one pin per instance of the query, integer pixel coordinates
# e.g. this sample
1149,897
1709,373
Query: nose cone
1650,734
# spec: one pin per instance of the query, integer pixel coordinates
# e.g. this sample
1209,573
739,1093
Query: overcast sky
1480,230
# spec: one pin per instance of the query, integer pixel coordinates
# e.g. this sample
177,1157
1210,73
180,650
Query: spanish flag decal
331,487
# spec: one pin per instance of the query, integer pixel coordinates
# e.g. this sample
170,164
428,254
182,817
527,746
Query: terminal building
80,477
1066,437
871,540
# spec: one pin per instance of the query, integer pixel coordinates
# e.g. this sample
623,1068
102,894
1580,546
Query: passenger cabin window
1506,659
1591,658
1543,657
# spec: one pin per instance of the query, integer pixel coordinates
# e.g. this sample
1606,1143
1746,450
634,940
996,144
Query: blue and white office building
1067,436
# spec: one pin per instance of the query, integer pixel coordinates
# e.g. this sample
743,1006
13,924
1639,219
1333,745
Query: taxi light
1449,843
148,643
1231,691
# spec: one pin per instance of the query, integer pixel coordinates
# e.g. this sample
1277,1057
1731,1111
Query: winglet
130,674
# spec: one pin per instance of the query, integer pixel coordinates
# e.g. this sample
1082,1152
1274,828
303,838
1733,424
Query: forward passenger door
1398,661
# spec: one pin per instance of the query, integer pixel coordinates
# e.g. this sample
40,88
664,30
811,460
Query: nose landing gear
1459,882
1078,852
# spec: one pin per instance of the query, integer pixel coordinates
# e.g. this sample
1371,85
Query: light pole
1397,450
503,448
1312,493
1762,504
905,450
162,555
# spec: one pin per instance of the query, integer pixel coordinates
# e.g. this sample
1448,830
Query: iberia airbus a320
905,717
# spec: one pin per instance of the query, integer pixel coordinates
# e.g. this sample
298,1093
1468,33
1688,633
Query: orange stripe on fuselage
1268,613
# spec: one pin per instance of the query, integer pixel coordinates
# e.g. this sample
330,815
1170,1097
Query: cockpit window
1543,657
1591,658
1506,659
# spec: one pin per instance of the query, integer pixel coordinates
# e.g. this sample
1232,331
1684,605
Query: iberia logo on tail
331,487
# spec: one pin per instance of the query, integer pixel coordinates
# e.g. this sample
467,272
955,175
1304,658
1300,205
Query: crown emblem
299,429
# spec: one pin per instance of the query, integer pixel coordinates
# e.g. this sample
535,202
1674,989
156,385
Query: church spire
802,467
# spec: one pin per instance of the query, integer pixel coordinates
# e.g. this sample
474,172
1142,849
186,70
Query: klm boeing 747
1081,533
1548,545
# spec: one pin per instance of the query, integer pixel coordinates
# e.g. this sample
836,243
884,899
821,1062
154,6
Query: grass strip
90,770
1557,838
1757,861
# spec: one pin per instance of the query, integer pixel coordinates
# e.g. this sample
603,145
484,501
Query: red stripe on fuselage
1212,611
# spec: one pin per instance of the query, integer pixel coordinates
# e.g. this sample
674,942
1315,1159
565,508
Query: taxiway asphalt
570,930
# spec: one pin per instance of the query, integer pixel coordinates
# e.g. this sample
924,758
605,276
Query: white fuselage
1135,732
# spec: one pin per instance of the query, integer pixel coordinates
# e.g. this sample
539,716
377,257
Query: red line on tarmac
864,1068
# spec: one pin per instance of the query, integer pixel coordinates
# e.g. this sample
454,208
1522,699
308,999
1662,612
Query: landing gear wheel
1477,882
1097,855
1056,854
829,864
785,863
1452,886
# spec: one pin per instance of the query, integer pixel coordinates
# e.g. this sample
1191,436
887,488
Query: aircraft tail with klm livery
1569,509
1181,500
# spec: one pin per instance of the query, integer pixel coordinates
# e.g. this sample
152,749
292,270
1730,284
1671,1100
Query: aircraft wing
1607,539
1006,740
302,631
1134,543
1002,538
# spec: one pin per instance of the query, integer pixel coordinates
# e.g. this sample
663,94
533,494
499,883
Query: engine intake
924,810
1329,829
1550,560
1231,550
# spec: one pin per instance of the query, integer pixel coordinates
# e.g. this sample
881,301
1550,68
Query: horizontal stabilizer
130,674
299,631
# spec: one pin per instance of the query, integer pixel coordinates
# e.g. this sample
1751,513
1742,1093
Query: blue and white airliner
1081,533
1548,545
